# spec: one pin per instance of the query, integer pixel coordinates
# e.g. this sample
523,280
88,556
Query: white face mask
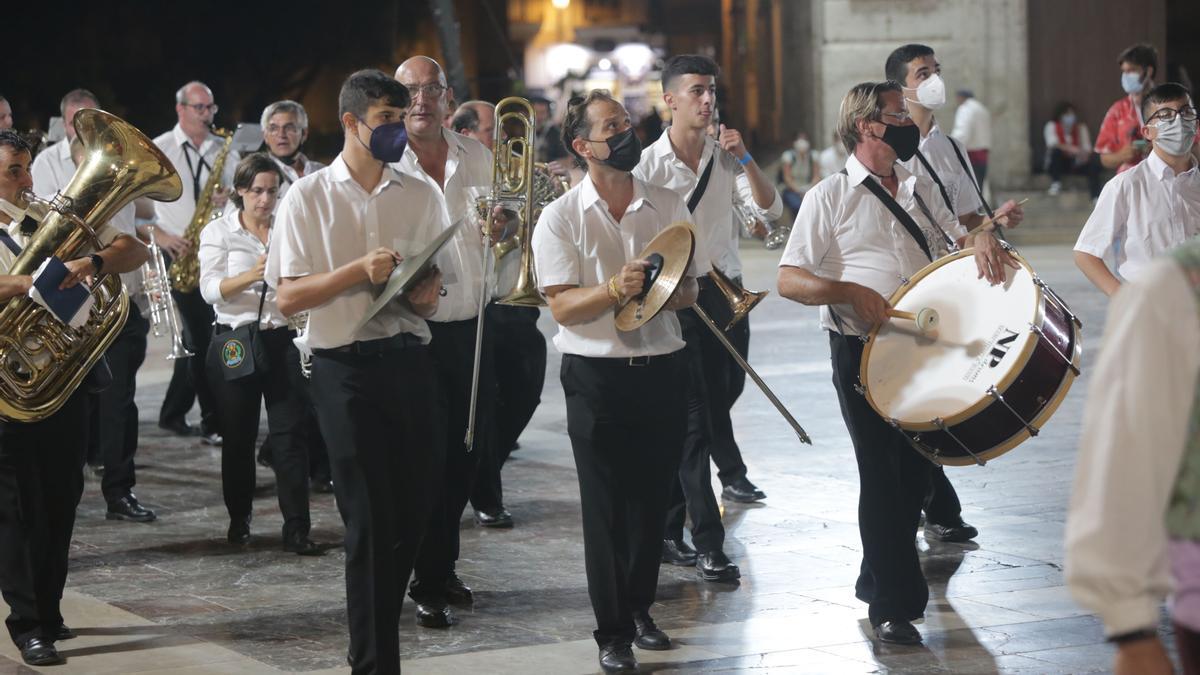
14,212
931,93
801,145
1175,137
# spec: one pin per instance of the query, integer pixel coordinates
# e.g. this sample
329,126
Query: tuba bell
42,360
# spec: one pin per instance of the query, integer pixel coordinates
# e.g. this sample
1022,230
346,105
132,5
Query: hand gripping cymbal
674,247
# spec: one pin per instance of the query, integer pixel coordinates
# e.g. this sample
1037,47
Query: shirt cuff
1091,249
210,290
1129,615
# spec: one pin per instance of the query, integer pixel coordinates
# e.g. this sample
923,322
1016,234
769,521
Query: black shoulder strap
937,179
901,215
9,242
701,186
967,168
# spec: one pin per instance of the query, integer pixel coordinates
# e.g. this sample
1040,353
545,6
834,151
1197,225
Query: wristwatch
97,262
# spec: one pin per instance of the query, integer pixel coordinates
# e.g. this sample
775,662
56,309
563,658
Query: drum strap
967,168
937,179
901,215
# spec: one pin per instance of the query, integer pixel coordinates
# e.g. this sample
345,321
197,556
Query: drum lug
1033,431
1038,330
861,390
1057,300
941,425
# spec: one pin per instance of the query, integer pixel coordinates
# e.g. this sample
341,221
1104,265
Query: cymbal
675,246
407,274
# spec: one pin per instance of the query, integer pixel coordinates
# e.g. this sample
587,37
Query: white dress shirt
577,242
468,176
1134,432
328,220
713,216
52,172
959,183
844,233
227,249
1143,213
289,172
973,125
194,166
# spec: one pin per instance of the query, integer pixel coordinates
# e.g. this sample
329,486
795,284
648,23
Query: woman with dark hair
1069,150
252,358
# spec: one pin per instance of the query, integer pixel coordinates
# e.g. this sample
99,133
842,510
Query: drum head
983,338
675,244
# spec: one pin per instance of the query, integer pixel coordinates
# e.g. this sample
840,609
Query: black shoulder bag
242,350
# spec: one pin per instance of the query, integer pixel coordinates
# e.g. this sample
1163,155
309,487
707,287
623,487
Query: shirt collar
663,149
590,196
858,172
1161,170
339,172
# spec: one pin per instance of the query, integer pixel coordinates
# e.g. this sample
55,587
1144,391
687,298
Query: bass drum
1000,362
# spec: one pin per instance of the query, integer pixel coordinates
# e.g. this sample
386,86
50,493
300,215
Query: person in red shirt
1120,143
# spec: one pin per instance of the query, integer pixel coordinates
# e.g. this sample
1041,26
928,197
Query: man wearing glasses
192,147
1153,207
285,128
459,168
847,253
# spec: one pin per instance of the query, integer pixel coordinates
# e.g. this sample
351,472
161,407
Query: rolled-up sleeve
555,254
1132,442
812,233
742,185
214,264
1107,222
289,256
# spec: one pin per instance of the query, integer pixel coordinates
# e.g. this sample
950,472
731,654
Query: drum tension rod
915,443
1038,330
1033,431
940,424
1057,300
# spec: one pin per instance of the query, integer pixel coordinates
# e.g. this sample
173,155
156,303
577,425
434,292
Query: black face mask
624,150
904,140
289,160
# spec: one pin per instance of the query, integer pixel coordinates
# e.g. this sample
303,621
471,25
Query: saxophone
185,270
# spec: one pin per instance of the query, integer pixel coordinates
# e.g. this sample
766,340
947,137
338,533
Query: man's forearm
297,294
124,254
760,186
807,288
1097,272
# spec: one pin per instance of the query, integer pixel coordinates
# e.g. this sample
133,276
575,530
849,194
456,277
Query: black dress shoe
128,508
498,518
40,652
458,593
63,633
743,491
321,486
649,635
950,533
212,438
178,427
239,531
299,544
716,566
678,553
898,633
618,659
429,616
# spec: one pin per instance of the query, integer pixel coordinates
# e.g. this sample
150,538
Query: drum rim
1002,385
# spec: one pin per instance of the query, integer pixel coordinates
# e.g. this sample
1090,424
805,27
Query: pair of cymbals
670,253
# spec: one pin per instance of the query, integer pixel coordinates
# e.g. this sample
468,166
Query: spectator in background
797,172
973,128
650,127
1120,142
548,142
1069,150
833,158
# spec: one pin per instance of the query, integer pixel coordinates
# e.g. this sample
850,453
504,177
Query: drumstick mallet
926,319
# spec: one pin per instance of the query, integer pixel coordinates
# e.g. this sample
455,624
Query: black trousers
520,350
453,353
626,425
115,413
238,410
941,502
188,381
41,481
893,479
724,378
379,413
691,494
1061,164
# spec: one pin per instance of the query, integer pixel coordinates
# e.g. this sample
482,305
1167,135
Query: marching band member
114,411
686,159
339,233
476,119
192,148
1152,207
233,252
625,415
285,128
840,257
41,463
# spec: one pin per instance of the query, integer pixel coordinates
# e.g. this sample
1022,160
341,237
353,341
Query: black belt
372,347
225,328
635,361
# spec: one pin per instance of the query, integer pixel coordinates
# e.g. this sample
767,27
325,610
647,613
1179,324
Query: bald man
459,168
476,119
192,147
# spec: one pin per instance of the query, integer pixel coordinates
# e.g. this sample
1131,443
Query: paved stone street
173,596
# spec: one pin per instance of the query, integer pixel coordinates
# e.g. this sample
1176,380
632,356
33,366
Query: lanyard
196,171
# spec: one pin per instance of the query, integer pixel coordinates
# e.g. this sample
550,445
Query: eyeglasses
201,108
431,90
1187,112
287,129
900,117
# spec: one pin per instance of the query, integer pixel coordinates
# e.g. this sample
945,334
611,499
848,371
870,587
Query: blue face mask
388,141
1131,82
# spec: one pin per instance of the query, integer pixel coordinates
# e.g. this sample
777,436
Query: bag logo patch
233,353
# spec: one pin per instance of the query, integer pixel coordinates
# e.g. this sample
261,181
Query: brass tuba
42,360
185,270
